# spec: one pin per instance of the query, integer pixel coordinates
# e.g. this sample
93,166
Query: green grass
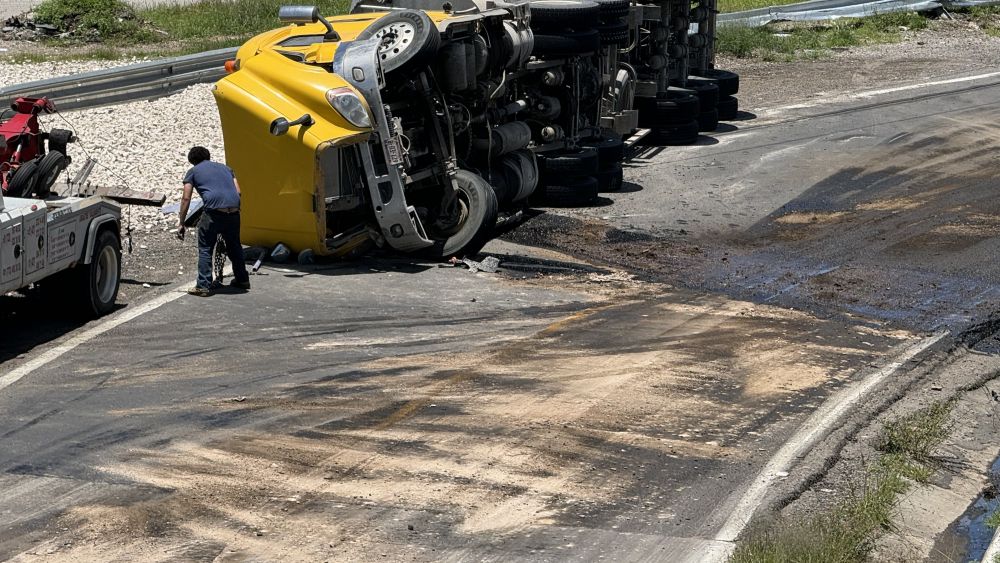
806,42
993,520
986,17
170,29
226,18
847,533
726,6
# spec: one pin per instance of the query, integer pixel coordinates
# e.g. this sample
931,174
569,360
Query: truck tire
578,162
409,40
577,191
685,134
729,82
610,179
98,282
49,168
610,151
569,44
59,139
728,108
480,202
708,120
577,14
610,9
23,181
614,33
706,90
671,110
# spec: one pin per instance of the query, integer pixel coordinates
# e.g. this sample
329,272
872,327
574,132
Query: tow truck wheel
479,207
24,180
408,40
51,165
100,280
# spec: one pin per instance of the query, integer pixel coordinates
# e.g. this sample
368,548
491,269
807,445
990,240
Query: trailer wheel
579,191
610,150
673,109
611,9
615,33
685,134
479,209
729,82
578,162
408,40
577,14
568,44
99,281
610,179
49,168
24,180
708,120
706,90
728,108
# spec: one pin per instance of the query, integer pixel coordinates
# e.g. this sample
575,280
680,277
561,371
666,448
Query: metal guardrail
819,10
142,81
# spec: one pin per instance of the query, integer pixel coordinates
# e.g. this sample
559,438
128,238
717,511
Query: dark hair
199,154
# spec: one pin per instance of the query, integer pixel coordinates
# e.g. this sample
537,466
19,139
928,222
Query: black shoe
240,284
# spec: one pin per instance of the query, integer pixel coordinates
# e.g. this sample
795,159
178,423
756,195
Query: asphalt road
398,411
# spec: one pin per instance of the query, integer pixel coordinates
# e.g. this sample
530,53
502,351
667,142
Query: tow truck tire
409,40
729,82
24,180
480,202
58,139
98,282
728,108
577,14
49,168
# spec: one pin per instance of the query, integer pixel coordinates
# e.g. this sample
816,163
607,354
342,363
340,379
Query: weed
814,40
918,433
987,18
993,520
93,19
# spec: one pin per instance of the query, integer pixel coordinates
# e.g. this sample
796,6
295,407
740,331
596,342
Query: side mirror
280,126
301,15
298,14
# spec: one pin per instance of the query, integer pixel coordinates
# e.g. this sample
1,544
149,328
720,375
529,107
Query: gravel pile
11,73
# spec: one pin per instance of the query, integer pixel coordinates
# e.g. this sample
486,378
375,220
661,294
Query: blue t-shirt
214,183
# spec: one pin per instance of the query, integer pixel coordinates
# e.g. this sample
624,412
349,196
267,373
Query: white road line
814,428
87,335
883,91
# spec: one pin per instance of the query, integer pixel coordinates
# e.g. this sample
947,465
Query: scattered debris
490,264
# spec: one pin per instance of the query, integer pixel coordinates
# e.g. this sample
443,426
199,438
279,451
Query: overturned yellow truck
417,124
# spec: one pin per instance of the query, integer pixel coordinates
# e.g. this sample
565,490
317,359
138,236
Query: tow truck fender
95,225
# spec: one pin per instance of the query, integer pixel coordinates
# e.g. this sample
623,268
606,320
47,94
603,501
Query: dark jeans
211,225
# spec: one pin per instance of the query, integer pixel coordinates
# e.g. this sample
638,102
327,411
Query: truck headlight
348,104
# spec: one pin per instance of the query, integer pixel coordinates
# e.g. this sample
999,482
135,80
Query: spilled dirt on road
608,418
906,233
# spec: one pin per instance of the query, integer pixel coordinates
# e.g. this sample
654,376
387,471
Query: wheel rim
107,274
394,39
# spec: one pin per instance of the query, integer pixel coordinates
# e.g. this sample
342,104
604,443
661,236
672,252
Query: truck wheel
49,168
577,14
671,110
479,210
98,282
610,9
610,179
408,40
728,108
610,150
578,162
729,82
578,191
614,33
24,180
685,134
708,120
568,44
706,90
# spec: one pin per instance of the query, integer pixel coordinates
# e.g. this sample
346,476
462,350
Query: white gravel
144,145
